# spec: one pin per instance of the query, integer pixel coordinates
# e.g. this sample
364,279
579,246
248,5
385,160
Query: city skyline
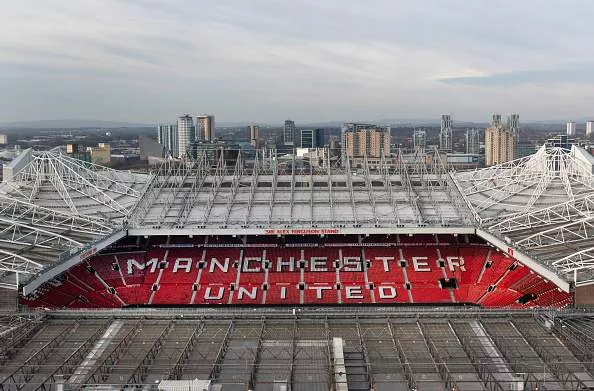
140,61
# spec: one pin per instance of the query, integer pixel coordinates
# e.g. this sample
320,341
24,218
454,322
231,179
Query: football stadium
263,273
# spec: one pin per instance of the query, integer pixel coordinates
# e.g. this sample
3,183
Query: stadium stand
415,349
418,270
269,277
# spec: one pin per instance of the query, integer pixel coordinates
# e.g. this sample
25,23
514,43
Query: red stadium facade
299,270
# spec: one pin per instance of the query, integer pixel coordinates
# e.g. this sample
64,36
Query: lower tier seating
381,274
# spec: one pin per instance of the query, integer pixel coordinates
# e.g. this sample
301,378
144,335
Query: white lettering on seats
456,262
142,266
280,263
283,294
419,265
224,267
387,292
385,261
319,290
352,264
354,292
208,293
318,264
182,263
249,293
246,264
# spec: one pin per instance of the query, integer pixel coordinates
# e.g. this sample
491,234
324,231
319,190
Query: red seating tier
237,275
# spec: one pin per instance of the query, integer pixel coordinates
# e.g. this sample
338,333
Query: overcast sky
310,60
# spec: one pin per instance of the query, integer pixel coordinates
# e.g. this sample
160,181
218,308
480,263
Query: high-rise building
205,127
589,128
3,139
513,123
167,137
162,134
360,140
419,140
501,145
570,128
312,138
496,120
254,131
473,141
445,134
173,140
186,134
289,132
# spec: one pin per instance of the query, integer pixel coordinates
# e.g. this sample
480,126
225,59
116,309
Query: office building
79,152
312,138
561,141
212,151
445,133
3,139
501,145
570,128
254,132
205,127
419,140
186,134
360,140
589,128
473,141
289,132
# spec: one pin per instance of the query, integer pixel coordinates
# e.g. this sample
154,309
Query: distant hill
70,123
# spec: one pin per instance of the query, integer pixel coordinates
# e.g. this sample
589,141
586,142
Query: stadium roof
53,206
57,210
542,204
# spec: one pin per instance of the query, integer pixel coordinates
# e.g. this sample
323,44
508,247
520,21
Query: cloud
572,75
263,60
